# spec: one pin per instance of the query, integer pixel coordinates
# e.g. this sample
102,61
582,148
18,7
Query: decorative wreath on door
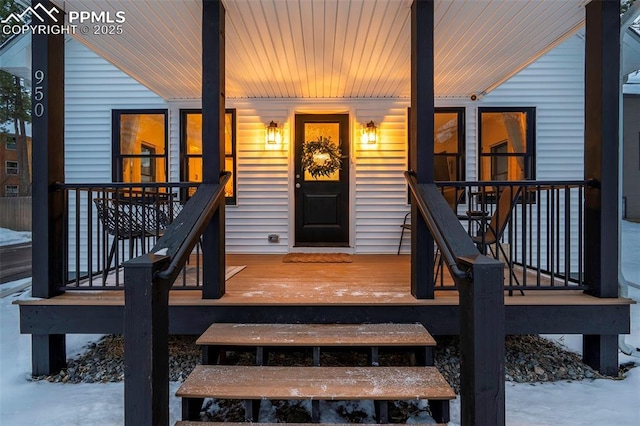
321,157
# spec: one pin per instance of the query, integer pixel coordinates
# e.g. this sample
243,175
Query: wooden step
324,383
325,335
193,423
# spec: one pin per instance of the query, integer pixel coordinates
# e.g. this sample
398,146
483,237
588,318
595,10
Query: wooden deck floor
371,280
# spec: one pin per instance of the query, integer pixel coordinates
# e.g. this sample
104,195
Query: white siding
553,84
94,87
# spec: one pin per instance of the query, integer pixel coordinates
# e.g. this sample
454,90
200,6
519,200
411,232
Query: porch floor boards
371,280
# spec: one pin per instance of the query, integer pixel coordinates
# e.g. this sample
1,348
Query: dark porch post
213,245
602,91
422,110
47,97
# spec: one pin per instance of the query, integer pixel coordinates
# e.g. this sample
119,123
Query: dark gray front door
322,203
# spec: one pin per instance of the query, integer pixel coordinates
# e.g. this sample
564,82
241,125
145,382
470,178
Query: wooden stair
255,383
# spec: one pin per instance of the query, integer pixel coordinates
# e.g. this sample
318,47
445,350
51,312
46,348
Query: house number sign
38,93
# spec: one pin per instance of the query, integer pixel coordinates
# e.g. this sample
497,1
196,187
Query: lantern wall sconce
369,133
273,136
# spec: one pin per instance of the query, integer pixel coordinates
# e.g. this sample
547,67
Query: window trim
117,157
530,150
13,194
11,140
6,168
185,156
461,155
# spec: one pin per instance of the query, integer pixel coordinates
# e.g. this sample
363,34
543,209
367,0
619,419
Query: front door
322,180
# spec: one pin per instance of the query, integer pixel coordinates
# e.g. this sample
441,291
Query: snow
9,237
607,402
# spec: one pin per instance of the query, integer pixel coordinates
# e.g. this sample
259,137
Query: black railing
149,278
478,279
536,227
107,224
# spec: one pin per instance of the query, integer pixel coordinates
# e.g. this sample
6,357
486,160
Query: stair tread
224,334
194,423
323,383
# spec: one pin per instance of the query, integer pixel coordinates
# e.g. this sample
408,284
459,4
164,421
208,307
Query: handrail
118,185
525,183
183,233
439,216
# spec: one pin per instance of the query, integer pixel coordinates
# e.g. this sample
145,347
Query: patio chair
453,197
128,220
491,228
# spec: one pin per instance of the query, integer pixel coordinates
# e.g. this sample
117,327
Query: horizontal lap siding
380,189
93,88
554,84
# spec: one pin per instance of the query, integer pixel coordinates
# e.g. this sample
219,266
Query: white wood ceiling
330,48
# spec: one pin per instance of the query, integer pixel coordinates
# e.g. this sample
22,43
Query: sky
597,402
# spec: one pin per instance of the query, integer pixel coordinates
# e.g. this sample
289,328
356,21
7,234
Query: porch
372,288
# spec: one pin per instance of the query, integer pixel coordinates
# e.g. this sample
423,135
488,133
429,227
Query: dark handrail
117,185
184,232
439,216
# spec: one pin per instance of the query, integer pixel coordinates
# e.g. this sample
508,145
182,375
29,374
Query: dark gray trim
213,100
601,166
117,157
47,98
438,319
421,140
602,80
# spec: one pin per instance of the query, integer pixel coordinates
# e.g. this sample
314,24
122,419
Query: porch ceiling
330,48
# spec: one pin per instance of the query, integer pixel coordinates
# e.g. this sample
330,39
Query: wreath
321,157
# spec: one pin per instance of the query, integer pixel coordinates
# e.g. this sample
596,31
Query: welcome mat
317,258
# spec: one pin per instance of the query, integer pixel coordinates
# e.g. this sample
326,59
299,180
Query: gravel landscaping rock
529,359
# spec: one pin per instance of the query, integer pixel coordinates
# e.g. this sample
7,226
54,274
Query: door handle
297,185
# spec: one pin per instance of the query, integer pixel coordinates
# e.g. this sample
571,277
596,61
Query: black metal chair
128,219
405,226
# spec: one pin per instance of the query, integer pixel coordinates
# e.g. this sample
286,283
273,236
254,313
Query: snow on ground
606,402
8,237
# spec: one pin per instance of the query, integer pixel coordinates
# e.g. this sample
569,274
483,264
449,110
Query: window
11,143
11,190
191,149
507,143
140,145
11,167
448,144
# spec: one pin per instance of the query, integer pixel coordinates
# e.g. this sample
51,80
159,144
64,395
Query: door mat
230,271
317,258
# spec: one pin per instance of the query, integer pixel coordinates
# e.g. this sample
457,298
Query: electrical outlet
273,238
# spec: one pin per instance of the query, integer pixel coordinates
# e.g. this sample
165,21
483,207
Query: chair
490,230
128,220
404,227
453,197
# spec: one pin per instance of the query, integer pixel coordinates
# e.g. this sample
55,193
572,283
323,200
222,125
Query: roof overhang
329,48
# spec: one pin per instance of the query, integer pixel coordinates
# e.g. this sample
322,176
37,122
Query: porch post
422,110
602,91
47,98
213,245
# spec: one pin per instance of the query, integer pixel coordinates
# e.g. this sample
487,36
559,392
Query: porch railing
478,279
107,224
543,237
149,278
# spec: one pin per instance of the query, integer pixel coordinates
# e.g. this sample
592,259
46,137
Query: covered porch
599,314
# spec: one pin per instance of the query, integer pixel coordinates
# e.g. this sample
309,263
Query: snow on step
189,423
316,335
321,383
